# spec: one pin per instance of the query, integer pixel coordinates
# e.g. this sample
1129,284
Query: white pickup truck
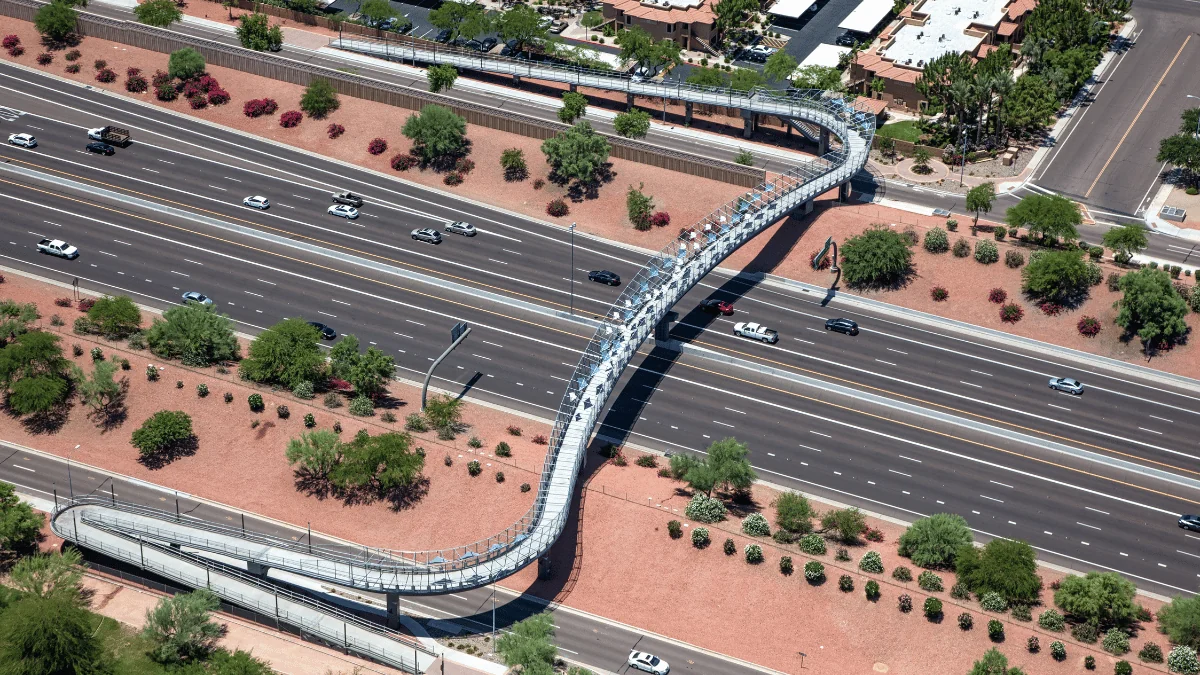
59,248
755,331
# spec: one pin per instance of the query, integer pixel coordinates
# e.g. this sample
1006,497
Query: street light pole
572,271
962,162
70,484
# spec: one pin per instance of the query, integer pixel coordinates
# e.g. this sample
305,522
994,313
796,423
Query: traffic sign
817,259
459,329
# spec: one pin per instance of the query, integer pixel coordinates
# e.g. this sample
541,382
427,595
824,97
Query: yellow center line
293,235
296,260
1139,114
960,411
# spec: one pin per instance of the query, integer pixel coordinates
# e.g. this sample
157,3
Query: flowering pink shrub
45,58
997,295
99,64
73,55
464,165
939,293
257,107
336,130
218,96
1011,313
377,146
86,304
198,101
16,51
403,162
106,75
453,178
10,41
190,89
207,83
660,219
165,92
290,119
1089,326
340,385
136,84
72,68
557,208
131,71
1051,308
160,78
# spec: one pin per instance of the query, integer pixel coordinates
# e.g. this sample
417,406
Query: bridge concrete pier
844,192
823,145
257,569
747,123
687,113
629,101
574,86
517,80
808,207
393,611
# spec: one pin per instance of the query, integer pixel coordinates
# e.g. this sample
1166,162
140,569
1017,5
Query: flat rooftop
944,30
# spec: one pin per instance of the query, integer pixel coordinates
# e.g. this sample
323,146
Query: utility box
1173,213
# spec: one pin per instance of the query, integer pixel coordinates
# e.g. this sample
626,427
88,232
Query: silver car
648,663
257,202
193,296
460,227
343,211
1067,384
23,140
428,235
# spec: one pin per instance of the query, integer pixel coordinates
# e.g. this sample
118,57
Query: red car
717,307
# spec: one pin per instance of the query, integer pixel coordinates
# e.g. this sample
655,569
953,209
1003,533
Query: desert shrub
909,235
388,417
474,468
675,529
362,406
986,252
936,241
873,534
660,219
993,602
933,609
75,68
961,248
136,85
11,41
332,400
256,402
404,161
700,537
228,397
754,554
1051,620
525,487
812,544
164,92
557,208
290,119
842,555
997,295
933,541
1114,281
282,411
1151,653
309,420
1033,644
902,574
995,630
539,183
1011,313
707,509
814,571
514,430
1051,308
1102,598
729,547
939,293
1182,659
377,146
1088,326
1057,651
335,131
1094,274
416,423
453,178
966,621
1085,632
1089,662
1115,642
198,102
785,565
871,562
928,581
257,107
106,75
1013,259
219,97
904,603
202,390
500,479
645,461
999,233
756,525
959,591
503,449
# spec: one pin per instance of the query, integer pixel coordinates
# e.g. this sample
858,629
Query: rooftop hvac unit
920,35
957,10
921,63
976,15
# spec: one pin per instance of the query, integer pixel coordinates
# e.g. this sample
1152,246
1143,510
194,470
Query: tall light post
572,270
962,162
1197,115
70,483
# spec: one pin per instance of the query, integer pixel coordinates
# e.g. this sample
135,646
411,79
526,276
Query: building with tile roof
691,23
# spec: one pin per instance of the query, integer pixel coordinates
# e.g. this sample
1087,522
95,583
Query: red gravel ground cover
784,250
245,467
686,198
626,567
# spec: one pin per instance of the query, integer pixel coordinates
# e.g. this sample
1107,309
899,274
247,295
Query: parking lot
810,30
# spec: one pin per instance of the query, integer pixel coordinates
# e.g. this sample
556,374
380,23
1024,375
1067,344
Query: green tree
825,78
19,525
590,20
344,356
376,11
1181,150
316,453
780,66
237,662
1051,216
285,354
877,257
1126,240
636,45
15,318
1150,307
254,32
102,391
34,371
639,206
48,575
793,513
921,160
467,20
512,161
1181,621
1004,566
445,412
745,79
1030,105
980,198
117,317
744,157
56,21
935,540
992,663
632,124
369,372
1105,598
384,462
729,13
523,24
181,628
162,433
195,333
441,76
574,106
319,99
702,76
185,63
436,132
529,643
727,458
1190,121
160,13
845,524
1058,276
50,636
578,153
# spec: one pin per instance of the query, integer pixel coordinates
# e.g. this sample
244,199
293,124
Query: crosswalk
10,114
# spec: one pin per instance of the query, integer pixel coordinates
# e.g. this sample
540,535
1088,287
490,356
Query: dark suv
1190,522
842,326
605,277
102,148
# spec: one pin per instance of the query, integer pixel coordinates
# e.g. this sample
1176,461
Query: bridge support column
517,80
787,126
747,123
257,569
808,207
574,86
823,145
844,192
393,610
662,330
687,113
629,101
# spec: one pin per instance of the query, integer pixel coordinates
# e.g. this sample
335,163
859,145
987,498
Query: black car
102,148
842,326
846,39
326,332
510,48
443,35
1189,522
488,44
605,277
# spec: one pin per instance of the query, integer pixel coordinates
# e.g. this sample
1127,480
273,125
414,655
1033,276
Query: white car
23,140
193,296
648,663
343,211
257,202
460,227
